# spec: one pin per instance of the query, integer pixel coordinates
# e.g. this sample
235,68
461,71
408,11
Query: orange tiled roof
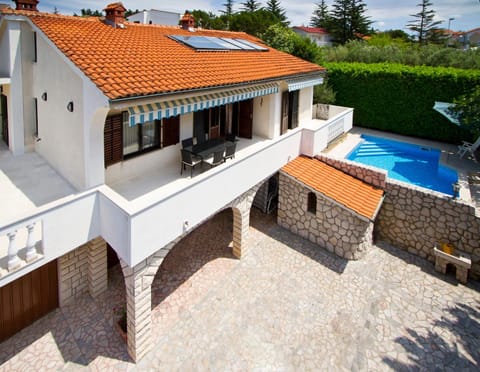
349,191
141,59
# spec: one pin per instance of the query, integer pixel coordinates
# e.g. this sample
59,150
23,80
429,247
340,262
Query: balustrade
18,255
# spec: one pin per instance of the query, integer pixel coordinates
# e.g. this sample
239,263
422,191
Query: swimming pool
405,162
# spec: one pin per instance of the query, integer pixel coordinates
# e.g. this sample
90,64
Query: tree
286,40
280,37
321,18
228,8
423,23
130,12
90,13
209,20
273,6
251,6
253,23
348,20
359,23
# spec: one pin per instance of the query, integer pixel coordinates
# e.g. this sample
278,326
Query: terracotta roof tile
151,62
349,191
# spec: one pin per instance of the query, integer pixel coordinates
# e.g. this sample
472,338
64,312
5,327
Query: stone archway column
97,273
139,308
241,223
138,287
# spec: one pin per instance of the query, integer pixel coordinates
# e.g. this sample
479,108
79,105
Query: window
124,141
312,203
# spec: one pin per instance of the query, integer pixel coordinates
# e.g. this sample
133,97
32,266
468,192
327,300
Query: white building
156,17
318,35
94,112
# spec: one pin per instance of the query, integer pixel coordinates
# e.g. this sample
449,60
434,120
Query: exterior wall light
44,96
70,106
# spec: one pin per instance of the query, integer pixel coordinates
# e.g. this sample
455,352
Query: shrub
400,99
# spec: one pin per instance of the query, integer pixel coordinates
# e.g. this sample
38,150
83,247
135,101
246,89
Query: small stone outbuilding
328,207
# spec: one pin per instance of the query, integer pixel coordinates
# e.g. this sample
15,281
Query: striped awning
296,84
160,110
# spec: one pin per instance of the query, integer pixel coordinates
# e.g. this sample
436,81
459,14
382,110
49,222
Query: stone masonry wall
365,173
333,227
72,274
83,269
416,220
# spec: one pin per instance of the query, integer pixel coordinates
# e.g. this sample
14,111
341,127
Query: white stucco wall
28,55
305,101
186,126
156,17
4,52
60,132
263,116
15,94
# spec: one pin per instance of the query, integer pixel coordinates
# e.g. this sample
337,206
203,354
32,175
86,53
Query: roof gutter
179,92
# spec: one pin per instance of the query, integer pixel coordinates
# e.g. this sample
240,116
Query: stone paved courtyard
288,305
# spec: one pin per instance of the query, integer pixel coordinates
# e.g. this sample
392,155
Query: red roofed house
94,115
318,35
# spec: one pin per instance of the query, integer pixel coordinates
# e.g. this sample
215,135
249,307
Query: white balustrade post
13,259
31,253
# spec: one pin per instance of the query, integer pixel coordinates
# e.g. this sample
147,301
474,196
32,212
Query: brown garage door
27,299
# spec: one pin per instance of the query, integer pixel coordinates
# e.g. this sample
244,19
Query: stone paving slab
287,306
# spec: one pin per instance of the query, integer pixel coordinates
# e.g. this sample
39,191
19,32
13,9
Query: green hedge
399,98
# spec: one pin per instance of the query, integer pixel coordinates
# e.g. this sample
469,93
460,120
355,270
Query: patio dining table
207,148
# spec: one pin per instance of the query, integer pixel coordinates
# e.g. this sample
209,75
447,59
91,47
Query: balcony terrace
47,216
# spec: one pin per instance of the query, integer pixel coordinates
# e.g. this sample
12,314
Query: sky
385,14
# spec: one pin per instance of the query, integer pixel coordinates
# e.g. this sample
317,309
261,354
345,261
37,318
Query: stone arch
139,279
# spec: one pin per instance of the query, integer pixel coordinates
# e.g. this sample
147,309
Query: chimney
187,21
115,13
30,5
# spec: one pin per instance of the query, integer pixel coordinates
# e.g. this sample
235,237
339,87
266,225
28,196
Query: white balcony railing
50,232
138,226
319,133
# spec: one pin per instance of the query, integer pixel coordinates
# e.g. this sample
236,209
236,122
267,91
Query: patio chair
229,151
230,137
217,159
468,147
188,159
201,137
187,142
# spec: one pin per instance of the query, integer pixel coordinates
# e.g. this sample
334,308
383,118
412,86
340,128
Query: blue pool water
406,162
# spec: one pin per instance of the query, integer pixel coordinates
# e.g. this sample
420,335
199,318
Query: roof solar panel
238,44
250,44
216,43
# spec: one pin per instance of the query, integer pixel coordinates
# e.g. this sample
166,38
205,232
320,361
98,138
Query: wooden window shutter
113,143
171,131
293,109
284,118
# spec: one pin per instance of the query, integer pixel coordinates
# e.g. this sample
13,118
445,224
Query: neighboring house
472,38
156,17
93,114
466,39
318,35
